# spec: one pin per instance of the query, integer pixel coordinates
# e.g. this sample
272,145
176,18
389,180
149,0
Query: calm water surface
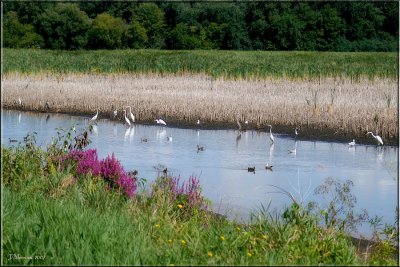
222,166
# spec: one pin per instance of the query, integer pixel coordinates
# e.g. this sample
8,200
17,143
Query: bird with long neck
271,137
239,125
132,117
95,116
377,137
126,118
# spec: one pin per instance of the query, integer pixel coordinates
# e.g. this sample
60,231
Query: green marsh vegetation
63,205
217,64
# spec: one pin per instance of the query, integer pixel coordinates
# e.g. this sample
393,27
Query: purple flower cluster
109,169
87,161
114,173
192,190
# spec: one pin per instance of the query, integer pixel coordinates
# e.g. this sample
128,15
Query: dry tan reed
331,104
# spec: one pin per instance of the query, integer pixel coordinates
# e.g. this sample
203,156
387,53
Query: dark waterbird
200,148
268,167
251,169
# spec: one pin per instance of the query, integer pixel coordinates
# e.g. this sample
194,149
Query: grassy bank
328,109
218,64
64,206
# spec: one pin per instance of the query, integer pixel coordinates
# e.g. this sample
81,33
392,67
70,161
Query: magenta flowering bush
110,169
115,175
87,161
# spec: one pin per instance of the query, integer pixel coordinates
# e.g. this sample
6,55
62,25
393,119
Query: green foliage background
305,26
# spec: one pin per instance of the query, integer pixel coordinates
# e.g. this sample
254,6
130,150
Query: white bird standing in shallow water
160,121
377,137
132,117
353,143
126,118
271,137
95,116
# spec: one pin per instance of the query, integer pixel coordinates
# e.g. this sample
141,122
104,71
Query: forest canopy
304,26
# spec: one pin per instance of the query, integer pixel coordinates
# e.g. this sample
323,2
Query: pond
222,167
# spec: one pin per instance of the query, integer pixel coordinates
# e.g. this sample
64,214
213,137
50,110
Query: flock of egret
131,119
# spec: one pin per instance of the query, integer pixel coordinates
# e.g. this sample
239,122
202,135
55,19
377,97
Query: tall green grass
230,64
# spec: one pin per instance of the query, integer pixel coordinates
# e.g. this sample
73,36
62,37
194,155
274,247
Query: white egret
160,121
115,113
296,132
126,118
132,117
95,116
271,137
353,143
198,122
19,101
169,138
377,137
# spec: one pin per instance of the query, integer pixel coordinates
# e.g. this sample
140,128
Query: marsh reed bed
338,107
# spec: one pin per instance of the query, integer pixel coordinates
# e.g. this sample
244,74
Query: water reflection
222,166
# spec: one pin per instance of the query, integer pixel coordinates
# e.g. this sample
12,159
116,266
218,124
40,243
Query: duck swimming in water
251,169
268,167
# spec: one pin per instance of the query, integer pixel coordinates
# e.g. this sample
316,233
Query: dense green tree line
321,26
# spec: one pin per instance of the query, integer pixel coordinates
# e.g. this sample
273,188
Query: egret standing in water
126,118
95,116
296,133
271,137
132,117
377,137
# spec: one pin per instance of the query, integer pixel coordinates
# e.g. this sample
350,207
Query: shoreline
311,135
331,109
